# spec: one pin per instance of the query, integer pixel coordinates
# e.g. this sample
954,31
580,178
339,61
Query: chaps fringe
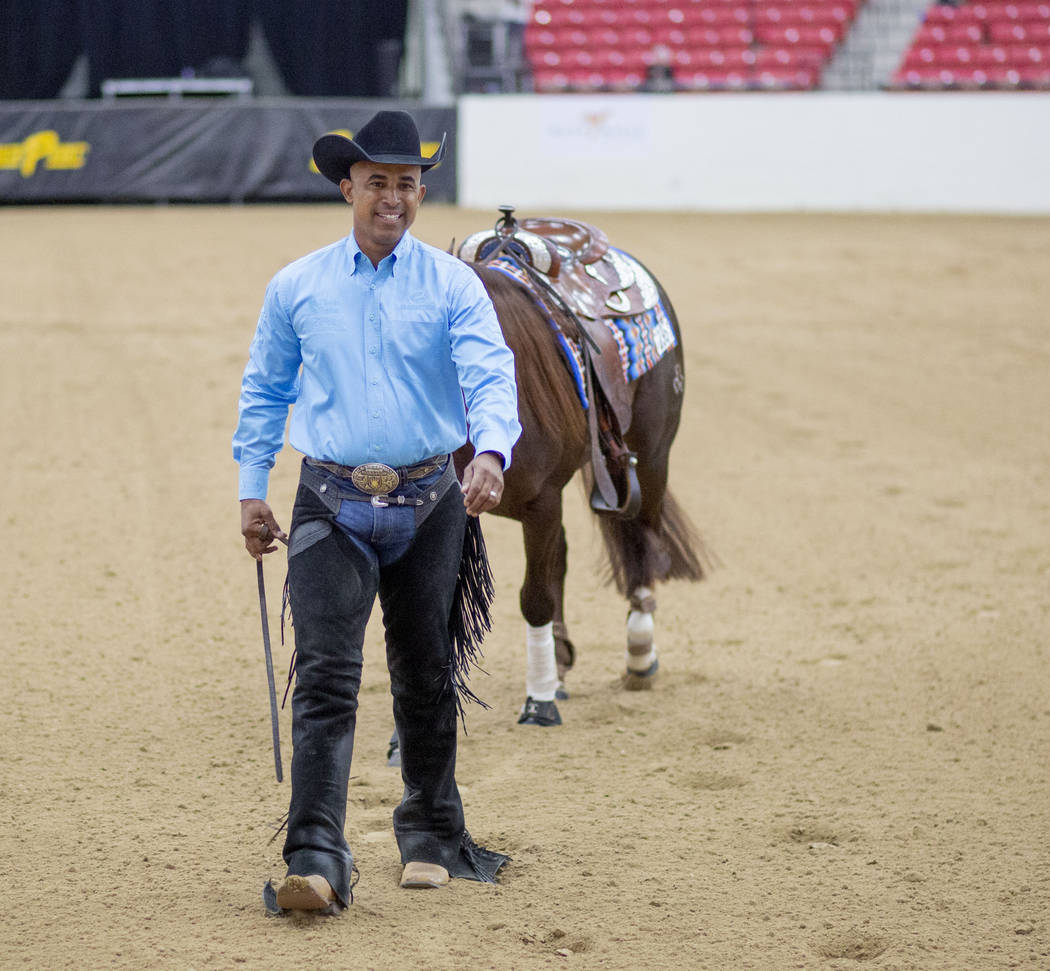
286,611
470,618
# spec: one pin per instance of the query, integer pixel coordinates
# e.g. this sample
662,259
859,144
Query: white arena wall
872,152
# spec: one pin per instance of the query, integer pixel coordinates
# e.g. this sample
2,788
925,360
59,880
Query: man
389,350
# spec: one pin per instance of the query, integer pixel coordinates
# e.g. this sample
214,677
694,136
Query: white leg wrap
541,672
641,652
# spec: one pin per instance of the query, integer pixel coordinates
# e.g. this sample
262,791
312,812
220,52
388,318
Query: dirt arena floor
844,763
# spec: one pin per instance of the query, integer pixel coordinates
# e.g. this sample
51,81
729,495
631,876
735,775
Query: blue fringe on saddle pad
641,340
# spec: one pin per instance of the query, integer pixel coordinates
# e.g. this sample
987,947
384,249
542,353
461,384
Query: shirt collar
401,251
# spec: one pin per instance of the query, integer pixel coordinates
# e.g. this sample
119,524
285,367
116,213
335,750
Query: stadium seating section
609,45
997,44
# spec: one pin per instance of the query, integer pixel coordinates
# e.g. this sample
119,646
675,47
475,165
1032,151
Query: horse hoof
543,713
561,693
639,680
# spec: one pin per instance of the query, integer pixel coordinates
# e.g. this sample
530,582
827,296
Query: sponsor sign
190,150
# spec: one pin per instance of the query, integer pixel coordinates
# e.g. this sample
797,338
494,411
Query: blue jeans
385,532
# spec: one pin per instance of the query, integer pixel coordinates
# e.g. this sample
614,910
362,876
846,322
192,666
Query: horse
557,286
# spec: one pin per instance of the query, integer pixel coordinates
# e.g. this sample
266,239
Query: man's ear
422,191
346,187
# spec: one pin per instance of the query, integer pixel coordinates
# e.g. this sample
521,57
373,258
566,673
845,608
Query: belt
378,479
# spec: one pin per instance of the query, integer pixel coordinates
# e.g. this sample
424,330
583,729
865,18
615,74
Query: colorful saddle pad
641,339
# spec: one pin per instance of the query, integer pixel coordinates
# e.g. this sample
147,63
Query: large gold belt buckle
375,478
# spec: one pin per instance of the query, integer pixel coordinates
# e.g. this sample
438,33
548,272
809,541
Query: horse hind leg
641,662
659,545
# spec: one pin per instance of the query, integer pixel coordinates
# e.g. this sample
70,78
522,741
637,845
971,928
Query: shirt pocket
420,340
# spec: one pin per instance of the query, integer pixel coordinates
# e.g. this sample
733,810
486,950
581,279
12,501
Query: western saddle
573,268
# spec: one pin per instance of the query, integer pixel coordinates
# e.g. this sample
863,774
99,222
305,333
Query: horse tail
639,554
664,545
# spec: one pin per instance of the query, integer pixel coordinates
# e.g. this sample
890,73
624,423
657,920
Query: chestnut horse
658,543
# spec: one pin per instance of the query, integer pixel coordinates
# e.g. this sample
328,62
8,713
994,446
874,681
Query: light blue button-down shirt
391,364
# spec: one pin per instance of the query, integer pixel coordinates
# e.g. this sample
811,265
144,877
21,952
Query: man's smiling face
384,199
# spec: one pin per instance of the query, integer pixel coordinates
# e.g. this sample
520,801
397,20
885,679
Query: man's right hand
259,528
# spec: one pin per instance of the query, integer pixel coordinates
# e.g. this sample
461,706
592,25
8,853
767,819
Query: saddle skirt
627,346
595,280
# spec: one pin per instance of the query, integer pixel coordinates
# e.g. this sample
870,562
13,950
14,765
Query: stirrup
632,502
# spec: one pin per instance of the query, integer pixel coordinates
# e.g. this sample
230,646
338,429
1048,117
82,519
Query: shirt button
371,316
371,350
372,287
375,414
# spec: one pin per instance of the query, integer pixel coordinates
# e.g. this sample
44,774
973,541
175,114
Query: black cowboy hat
390,137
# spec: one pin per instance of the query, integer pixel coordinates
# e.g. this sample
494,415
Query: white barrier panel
929,152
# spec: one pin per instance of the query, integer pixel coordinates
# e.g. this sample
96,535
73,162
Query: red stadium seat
801,16
637,36
925,77
619,79
948,56
623,58
1007,32
1022,56
603,37
557,36
586,17
727,16
1022,12
671,36
1035,77
932,34
941,13
715,44
991,56
779,57
728,58
972,33
548,82
1002,77
714,79
805,36
787,79
919,57
966,33
720,37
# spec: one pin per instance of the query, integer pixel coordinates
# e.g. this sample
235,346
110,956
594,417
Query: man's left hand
482,486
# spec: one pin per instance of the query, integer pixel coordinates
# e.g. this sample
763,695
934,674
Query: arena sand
844,763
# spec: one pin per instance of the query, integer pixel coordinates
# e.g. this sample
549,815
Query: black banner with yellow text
191,149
